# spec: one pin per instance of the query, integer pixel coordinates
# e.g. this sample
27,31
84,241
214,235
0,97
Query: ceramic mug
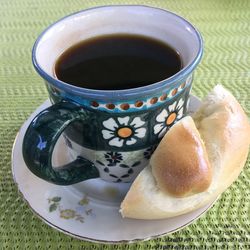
109,134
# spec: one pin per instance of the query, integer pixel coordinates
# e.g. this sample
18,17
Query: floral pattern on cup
128,171
113,158
121,131
167,117
121,166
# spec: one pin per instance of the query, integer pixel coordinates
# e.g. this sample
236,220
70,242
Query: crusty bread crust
225,130
180,164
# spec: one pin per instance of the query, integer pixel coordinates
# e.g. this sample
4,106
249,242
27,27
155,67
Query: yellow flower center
124,132
171,118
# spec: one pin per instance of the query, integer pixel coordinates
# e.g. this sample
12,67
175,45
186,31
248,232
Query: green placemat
225,26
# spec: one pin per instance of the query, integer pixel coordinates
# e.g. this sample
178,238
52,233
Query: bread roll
180,164
219,151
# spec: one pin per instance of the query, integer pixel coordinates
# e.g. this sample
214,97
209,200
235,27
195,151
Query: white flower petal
123,120
137,122
117,142
163,132
180,113
157,128
110,124
180,104
172,107
140,132
162,116
131,141
107,134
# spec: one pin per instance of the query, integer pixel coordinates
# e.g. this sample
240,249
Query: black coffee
119,61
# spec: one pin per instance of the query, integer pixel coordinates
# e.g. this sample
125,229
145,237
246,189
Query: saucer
82,214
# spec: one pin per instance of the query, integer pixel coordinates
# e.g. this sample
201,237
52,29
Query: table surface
225,27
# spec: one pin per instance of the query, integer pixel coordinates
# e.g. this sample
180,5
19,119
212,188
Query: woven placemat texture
226,32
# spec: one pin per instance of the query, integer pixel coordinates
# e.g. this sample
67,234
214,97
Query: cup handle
40,139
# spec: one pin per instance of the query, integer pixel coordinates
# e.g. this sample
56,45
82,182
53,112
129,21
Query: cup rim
123,93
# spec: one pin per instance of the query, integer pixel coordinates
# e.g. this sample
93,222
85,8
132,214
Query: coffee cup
110,134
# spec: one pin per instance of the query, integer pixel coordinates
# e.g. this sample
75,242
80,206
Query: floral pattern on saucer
103,222
77,213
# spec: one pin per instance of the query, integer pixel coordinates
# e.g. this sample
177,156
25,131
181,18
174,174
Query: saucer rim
47,102
136,240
